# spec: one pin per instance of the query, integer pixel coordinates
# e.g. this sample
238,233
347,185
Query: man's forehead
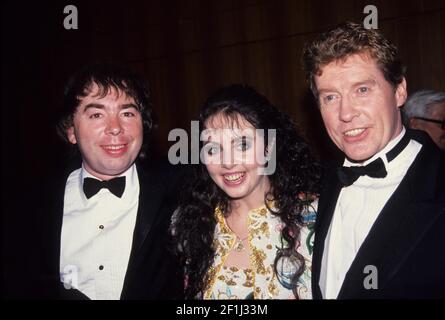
354,69
97,92
353,60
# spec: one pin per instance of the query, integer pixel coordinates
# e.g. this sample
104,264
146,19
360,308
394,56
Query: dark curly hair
296,172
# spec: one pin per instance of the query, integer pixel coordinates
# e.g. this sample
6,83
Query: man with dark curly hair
104,233
381,216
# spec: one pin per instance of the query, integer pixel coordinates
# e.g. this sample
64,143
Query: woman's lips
235,178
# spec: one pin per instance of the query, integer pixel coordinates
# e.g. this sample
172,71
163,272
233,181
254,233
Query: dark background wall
186,49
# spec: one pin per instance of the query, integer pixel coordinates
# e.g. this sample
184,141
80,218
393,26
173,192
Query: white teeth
114,147
234,176
354,132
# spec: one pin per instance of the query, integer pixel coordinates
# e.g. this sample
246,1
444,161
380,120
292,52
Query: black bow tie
92,186
375,169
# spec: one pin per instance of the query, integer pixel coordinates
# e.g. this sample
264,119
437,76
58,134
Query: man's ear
401,93
71,135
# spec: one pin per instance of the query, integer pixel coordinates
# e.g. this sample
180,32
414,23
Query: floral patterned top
264,238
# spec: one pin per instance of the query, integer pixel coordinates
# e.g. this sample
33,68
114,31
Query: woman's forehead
234,122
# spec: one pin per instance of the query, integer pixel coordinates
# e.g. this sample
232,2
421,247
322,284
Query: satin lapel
402,223
150,199
326,207
149,203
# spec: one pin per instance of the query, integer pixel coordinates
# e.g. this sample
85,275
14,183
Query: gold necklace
239,245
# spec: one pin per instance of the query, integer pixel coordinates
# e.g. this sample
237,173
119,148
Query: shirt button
101,226
101,267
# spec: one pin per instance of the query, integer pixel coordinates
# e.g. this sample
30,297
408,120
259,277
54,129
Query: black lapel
402,223
326,207
150,200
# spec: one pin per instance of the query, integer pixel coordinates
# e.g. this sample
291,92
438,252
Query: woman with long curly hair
243,229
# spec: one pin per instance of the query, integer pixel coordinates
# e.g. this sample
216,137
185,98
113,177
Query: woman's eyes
243,145
240,146
211,150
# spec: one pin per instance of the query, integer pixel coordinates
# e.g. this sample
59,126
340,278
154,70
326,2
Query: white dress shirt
97,236
357,208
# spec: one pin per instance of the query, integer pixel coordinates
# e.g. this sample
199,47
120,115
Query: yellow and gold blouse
264,238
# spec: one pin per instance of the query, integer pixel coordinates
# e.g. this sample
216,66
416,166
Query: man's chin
115,170
358,156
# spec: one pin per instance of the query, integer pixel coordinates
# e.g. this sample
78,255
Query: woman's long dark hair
296,173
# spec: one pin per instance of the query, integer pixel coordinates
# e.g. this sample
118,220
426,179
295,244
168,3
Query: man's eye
329,98
95,116
363,89
128,114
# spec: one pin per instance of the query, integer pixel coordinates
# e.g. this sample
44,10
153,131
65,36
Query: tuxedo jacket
153,271
406,243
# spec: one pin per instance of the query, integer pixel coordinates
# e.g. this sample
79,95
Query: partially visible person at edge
425,110
242,233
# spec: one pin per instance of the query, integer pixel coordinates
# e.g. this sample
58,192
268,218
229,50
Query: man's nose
348,110
114,126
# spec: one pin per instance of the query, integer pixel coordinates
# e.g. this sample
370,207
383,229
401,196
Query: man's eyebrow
129,105
101,106
368,82
323,90
93,106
